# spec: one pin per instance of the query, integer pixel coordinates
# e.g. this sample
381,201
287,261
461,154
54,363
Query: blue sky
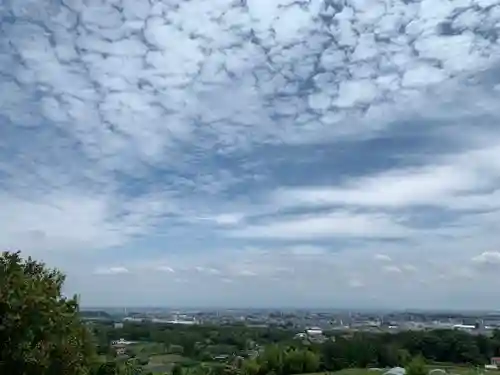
255,153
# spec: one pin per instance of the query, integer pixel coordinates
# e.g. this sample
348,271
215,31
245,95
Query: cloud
166,269
224,150
392,269
208,271
487,258
355,283
111,271
337,224
383,257
447,183
225,219
75,220
308,250
409,268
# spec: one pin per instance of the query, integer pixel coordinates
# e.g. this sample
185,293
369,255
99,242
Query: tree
271,359
40,330
108,368
250,367
416,367
131,367
177,369
404,357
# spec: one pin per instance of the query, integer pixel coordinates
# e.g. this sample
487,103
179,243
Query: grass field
159,369
148,348
164,362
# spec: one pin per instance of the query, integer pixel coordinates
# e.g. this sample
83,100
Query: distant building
177,321
121,342
314,331
134,320
495,361
120,346
221,357
313,334
464,327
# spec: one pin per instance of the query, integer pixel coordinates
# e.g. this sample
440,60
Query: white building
121,342
133,320
314,331
464,327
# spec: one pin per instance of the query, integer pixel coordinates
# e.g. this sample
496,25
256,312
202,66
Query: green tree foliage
250,367
416,367
177,370
131,367
108,368
403,357
40,331
297,361
272,359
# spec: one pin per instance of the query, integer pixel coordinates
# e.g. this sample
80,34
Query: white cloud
461,272
133,78
225,219
339,224
409,268
111,271
244,272
449,183
264,272
308,250
120,143
356,283
392,269
65,220
166,269
487,258
78,220
383,257
207,270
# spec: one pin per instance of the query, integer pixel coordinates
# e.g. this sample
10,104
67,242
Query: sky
255,153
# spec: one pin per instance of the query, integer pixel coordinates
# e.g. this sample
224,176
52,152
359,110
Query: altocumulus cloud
326,153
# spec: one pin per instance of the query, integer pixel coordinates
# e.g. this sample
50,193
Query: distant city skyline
312,321
284,309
